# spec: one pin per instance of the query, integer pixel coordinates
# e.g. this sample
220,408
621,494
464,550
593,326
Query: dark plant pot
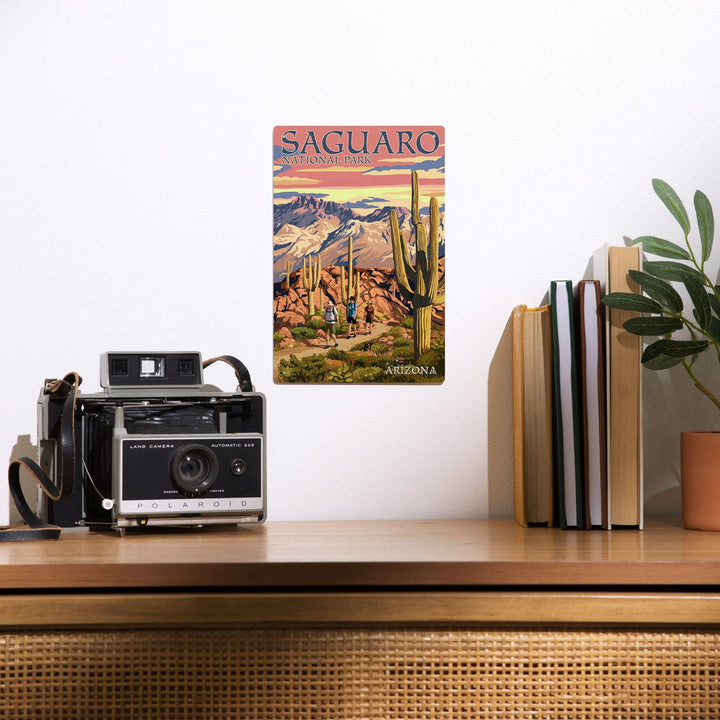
700,480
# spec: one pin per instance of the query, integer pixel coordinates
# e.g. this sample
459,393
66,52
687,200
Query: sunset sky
363,181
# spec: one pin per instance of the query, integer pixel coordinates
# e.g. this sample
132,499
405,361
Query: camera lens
193,469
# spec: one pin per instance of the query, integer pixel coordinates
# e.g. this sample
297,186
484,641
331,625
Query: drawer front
374,672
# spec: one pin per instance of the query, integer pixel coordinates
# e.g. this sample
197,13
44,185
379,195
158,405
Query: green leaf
631,301
652,325
663,248
699,297
658,290
673,203
661,362
714,329
669,270
673,349
706,222
714,303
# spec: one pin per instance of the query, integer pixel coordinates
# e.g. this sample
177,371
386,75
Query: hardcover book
625,410
592,372
532,378
623,388
359,254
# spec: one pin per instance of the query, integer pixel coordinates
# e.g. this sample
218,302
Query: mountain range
310,225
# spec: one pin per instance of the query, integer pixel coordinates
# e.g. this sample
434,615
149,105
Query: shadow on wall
24,448
500,451
671,405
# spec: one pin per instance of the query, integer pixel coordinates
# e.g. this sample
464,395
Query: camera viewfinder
119,367
152,367
186,367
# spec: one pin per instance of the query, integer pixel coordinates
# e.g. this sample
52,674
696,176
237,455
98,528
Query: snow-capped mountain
308,225
304,210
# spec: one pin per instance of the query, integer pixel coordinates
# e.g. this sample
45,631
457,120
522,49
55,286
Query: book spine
625,397
518,419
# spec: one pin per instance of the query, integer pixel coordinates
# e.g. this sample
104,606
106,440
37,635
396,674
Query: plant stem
708,394
692,254
693,328
701,267
700,386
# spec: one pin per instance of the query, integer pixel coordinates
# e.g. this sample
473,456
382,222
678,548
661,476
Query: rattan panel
389,673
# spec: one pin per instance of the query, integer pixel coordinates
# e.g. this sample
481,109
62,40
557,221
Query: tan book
624,396
532,415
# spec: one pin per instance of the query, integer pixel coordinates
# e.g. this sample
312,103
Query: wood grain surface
370,554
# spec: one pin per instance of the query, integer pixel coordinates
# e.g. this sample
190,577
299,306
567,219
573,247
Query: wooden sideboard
366,619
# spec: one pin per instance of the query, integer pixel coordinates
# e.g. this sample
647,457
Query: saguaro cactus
419,285
350,283
285,284
310,275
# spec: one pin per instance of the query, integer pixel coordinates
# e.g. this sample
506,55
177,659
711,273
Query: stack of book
577,404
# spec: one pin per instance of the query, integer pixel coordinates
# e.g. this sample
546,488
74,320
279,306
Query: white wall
136,201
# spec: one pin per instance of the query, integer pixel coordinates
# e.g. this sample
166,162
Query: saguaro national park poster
359,254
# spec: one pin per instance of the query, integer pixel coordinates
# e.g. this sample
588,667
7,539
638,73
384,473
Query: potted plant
665,315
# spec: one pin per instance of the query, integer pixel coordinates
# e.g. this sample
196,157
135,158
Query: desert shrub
434,358
404,351
309,369
369,374
361,361
343,374
303,333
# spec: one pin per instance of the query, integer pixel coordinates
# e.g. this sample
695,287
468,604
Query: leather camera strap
241,372
33,527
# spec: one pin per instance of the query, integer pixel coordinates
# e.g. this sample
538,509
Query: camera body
157,447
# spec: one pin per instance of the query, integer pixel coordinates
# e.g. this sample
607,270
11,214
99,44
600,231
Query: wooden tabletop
381,554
